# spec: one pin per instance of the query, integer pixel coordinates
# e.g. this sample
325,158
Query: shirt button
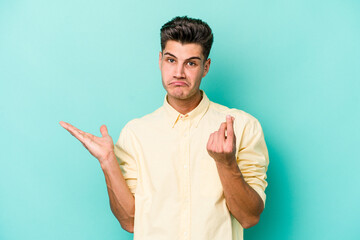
185,166
185,233
185,134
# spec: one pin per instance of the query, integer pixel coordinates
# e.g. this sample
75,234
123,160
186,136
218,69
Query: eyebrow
172,55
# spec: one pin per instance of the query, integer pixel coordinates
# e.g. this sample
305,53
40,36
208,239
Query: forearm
242,200
122,201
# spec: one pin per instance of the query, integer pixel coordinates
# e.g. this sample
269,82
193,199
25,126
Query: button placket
185,159
187,175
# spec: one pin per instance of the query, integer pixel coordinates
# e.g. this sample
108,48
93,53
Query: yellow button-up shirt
177,189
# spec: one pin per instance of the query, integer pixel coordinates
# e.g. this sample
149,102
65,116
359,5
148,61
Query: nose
179,71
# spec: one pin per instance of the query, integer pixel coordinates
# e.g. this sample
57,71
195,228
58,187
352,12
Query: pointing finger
230,128
221,133
70,127
73,131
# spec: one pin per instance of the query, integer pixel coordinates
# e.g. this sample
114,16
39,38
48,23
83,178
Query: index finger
230,128
73,131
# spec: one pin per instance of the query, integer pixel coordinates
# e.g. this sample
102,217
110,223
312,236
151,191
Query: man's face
182,68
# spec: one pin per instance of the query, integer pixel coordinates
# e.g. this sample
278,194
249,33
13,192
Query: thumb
103,130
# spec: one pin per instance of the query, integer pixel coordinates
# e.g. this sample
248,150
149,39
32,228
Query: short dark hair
188,30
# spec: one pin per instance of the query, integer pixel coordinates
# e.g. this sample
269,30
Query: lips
178,83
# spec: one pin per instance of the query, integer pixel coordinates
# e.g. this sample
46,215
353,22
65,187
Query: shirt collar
195,115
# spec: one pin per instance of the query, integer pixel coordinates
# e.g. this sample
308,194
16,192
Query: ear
160,58
206,67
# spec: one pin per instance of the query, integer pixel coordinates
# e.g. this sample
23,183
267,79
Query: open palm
99,147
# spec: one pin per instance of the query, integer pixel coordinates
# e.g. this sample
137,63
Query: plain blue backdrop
294,65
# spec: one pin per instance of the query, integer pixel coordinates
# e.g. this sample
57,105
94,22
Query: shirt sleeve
125,154
253,159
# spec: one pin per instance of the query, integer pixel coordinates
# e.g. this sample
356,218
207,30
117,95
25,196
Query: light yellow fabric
177,189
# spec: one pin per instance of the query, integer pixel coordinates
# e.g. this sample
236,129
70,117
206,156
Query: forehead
183,50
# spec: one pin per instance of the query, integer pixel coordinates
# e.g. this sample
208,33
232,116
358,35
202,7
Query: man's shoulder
147,120
238,114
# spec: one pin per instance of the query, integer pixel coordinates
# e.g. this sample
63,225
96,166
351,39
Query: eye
170,60
191,64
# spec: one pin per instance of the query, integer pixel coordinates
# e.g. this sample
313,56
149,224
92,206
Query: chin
178,93
181,95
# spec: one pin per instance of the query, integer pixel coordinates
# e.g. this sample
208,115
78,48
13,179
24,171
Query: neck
185,106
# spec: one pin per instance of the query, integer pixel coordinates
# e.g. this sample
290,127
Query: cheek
166,71
196,76
164,74
193,73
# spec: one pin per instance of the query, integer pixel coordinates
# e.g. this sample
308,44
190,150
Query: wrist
109,161
230,169
227,163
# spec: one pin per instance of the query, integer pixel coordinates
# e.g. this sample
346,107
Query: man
193,169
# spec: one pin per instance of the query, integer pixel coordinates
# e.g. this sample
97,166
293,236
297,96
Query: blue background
294,65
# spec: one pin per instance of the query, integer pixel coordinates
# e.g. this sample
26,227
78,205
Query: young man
193,169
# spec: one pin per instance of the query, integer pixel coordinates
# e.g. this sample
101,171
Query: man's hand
222,143
99,147
122,201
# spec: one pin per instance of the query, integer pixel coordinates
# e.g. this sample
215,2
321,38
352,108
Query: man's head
183,60
188,30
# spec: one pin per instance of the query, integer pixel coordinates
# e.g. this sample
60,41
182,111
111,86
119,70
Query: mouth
179,83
